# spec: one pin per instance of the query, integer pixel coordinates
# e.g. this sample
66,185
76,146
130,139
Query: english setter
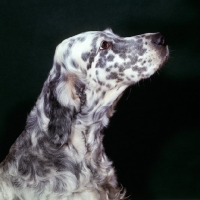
59,155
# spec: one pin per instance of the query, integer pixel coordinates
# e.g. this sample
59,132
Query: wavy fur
60,154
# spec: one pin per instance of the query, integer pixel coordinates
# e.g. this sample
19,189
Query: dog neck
86,134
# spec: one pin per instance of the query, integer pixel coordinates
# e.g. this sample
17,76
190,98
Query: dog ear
63,106
63,103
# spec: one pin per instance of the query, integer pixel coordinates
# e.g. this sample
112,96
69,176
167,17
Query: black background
154,136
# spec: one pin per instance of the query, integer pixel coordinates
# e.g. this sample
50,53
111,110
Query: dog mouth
162,58
164,54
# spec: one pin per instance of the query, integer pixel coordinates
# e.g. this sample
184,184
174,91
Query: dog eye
105,45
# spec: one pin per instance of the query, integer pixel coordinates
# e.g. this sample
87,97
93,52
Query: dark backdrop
154,136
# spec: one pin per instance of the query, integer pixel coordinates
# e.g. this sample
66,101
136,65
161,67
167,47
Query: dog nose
159,39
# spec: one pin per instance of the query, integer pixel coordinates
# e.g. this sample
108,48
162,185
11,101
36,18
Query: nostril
159,39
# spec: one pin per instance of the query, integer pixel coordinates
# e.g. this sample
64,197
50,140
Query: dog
60,155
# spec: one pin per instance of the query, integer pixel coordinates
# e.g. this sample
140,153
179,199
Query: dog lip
167,53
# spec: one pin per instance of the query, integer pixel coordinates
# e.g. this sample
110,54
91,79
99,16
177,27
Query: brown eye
105,45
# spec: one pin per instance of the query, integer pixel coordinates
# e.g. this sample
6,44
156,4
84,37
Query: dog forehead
88,42
93,37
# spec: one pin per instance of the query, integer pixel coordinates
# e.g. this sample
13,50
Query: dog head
90,72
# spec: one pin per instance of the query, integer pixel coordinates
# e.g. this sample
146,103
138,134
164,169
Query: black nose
159,39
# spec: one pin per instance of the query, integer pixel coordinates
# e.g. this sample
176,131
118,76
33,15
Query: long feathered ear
63,102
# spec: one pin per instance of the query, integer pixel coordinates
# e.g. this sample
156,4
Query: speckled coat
59,155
